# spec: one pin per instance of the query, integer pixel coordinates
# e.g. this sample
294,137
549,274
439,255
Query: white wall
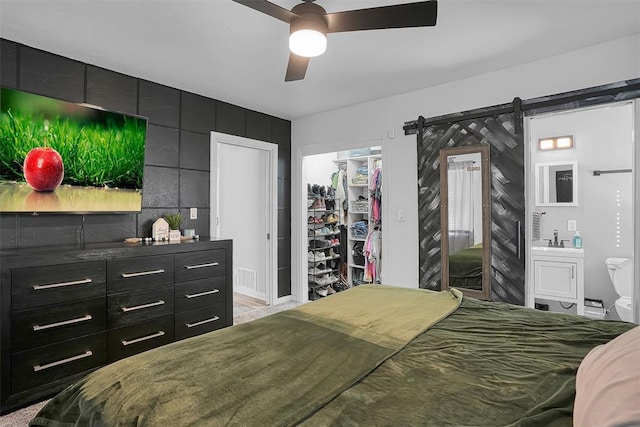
320,167
382,120
603,140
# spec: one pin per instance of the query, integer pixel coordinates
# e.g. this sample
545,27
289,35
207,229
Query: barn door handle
519,239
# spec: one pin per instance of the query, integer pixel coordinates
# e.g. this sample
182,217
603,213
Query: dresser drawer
199,293
134,273
126,308
53,362
36,326
53,284
133,339
198,321
200,265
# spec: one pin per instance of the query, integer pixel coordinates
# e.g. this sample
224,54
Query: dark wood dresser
65,311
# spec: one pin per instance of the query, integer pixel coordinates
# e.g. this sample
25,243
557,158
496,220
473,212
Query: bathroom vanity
557,274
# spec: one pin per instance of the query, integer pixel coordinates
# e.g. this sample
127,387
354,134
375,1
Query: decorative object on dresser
66,311
160,230
174,221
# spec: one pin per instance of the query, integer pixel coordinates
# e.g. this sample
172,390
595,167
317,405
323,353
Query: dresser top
43,255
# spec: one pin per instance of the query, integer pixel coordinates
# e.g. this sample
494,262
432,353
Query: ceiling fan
309,24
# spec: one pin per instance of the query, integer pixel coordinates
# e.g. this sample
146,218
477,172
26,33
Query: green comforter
352,359
276,370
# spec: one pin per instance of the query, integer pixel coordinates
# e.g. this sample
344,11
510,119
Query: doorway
581,175
244,209
341,211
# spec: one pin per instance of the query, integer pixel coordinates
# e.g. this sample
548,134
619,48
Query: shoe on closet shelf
330,290
311,256
322,292
333,254
320,256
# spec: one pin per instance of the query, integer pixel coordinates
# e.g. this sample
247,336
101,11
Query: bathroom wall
603,140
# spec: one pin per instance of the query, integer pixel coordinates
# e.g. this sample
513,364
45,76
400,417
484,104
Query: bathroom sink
552,250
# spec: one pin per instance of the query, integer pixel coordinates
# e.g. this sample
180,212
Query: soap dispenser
577,240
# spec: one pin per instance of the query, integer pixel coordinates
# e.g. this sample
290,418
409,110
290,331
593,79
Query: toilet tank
621,273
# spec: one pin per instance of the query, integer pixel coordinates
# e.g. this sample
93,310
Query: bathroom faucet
554,243
555,238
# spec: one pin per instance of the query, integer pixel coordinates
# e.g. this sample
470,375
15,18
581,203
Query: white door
244,209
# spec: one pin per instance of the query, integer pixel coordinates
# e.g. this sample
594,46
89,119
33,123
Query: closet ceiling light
556,143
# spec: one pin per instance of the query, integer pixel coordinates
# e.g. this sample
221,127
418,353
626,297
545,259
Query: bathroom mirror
556,183
465,220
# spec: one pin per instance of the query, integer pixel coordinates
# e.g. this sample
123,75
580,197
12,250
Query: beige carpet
21,417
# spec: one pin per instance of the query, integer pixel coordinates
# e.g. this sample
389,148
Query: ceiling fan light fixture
308,30
307,43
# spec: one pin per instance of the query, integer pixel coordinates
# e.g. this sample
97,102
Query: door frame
530,196
271,151
299,211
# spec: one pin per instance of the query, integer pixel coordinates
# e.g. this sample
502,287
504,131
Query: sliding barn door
507,200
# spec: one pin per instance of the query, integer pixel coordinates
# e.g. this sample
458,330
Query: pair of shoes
319,269
318,204
334,242
319,244
316,256
331,218
332,254
324,279
330,290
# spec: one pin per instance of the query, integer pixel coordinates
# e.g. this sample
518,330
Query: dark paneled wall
177,154
507,200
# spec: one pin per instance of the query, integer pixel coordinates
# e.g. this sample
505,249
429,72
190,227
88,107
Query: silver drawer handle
59,285
209,264
142,273
148,337
201,294
202,322
140,307
64,322
87,353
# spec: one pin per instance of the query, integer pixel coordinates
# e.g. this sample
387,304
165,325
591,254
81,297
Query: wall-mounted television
61,157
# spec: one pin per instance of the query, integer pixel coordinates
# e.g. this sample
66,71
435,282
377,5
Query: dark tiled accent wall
177,153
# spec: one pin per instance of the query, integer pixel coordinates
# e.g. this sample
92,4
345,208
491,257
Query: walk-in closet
344,220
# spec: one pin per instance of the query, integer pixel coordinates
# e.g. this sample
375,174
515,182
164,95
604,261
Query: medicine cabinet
556,183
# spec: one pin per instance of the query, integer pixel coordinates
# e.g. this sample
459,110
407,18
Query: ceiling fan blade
269,8
297,67
421,14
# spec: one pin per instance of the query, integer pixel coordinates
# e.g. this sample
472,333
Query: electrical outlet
193,213
571,225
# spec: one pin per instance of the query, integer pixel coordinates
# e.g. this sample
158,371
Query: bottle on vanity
577,240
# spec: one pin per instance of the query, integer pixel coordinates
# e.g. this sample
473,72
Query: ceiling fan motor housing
310,16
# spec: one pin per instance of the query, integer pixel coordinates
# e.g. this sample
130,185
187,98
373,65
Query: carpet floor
21,417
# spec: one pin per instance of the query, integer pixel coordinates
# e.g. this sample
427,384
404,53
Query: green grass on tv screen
109,153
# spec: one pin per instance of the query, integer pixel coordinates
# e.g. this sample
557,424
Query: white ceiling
227,51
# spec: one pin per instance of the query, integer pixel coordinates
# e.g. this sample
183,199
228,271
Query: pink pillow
608,384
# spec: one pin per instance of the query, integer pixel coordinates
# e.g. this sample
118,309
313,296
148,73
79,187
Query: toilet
621,273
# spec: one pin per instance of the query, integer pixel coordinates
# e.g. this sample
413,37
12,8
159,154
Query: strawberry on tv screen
61,157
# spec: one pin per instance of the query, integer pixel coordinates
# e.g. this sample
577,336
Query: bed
372,355
465,268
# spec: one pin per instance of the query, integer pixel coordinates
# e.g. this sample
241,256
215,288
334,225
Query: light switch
401,215
193,213
571,225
